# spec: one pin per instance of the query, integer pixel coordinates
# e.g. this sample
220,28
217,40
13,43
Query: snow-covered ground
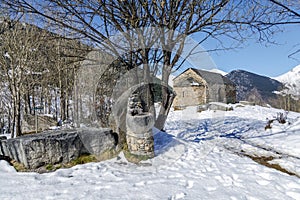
201,156
291,80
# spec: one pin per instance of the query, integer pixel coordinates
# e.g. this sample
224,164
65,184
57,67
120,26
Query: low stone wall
247,103
56,147
44,122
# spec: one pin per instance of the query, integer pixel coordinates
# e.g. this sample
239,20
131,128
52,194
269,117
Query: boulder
54,147
219,106
3,137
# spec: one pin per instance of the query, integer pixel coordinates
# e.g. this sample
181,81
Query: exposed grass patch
18,166
109,154
179,108
49,167
83,159
136,158
266,162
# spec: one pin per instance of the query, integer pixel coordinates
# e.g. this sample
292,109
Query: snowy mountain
254,87
291,80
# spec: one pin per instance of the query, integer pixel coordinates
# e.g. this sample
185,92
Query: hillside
254,87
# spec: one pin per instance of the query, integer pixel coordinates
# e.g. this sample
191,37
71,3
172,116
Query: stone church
198,87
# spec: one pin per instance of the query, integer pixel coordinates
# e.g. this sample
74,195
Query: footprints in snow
187,184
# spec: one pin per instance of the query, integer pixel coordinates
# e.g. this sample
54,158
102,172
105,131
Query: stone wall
221,93
56,147
189,96
44,122
190,90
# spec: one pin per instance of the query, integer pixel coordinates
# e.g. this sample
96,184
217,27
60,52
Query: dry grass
18,166
83,159
136,158
179,108
266,162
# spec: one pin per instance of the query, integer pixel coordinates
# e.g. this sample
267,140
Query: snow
292,81
195,84
199,157
5,167
218,71
170,82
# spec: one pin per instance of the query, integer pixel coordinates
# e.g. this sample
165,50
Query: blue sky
264,59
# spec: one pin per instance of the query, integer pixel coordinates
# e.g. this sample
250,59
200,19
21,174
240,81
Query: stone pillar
139,125
139,136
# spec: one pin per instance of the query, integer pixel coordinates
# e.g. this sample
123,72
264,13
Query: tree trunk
167,100
19,117
62,104
9,121
167,95
56,104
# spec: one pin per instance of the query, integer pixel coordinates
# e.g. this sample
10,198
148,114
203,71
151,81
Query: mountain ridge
291,80
253,87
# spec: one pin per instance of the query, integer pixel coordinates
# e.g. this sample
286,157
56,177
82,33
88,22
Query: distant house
197,87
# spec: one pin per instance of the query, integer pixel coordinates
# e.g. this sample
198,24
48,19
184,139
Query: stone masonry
139,124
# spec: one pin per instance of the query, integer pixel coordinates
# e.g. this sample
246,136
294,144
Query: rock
97,142
201,108
3,137
55,147
219,106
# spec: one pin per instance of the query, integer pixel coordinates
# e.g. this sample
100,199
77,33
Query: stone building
197,87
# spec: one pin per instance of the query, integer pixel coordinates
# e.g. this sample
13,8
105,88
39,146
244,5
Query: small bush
280,117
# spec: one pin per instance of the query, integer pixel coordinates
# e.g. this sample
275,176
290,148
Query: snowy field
201,156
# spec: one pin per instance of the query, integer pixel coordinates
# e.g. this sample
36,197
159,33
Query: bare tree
292,10
19,49
174,21
35,66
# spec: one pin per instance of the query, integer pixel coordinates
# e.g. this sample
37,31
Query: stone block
54,147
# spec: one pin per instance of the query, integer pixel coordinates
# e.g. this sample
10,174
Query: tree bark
167,100
167,95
